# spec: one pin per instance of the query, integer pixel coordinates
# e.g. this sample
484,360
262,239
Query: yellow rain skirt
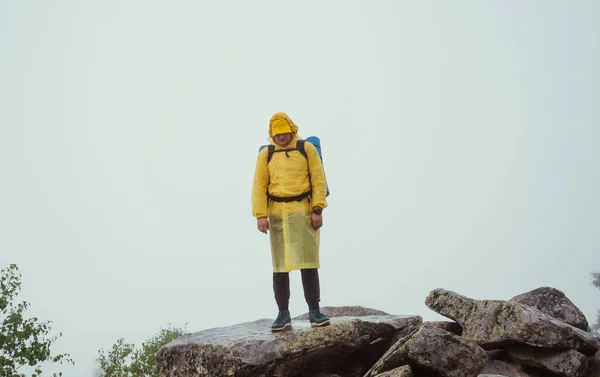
294,242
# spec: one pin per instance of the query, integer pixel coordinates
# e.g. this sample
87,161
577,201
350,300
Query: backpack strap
271,149
300,146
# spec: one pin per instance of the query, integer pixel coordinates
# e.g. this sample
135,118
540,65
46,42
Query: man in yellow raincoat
288,197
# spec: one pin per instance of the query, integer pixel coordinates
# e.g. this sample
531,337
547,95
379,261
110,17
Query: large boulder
251,350
554,303
411,325
496,323
564,363
432,350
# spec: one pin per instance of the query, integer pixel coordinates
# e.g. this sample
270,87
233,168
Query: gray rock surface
449,326
554,303
411,326
251,350
593,366
403,371
498,354
497,323
565,363
345,311
432,350
509,369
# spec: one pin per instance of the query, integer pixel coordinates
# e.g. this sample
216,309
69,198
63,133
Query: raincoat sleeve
259,186
317,176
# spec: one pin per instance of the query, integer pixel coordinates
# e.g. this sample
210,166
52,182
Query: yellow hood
284,116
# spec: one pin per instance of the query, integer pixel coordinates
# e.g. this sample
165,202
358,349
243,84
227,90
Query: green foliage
24,342
124,360
117,361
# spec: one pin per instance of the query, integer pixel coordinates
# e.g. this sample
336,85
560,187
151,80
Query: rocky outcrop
496,323
527,336
432,350
554,303
250,349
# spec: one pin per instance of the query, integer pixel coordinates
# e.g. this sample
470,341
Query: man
288,197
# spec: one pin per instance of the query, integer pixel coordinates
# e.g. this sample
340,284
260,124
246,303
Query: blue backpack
300,148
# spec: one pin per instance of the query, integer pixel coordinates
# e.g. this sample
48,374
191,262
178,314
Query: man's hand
263,224
317,221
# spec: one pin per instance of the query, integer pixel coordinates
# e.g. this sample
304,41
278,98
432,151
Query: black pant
310,283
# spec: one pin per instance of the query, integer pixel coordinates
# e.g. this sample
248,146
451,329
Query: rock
449,326
411,326
370,354
508,369
554,303
403,371
565,363
432,350
345,311
497,323
498,354
593,366
392,358
251,350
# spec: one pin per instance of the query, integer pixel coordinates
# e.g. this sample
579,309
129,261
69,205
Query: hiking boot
282,321
317,318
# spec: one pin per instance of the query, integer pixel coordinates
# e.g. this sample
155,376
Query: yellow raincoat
294,242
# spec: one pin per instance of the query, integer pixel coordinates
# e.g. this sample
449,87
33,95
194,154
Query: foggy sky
460,142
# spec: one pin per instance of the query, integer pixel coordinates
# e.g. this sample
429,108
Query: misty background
460,143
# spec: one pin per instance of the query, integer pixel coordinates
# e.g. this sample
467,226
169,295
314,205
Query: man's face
283,139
